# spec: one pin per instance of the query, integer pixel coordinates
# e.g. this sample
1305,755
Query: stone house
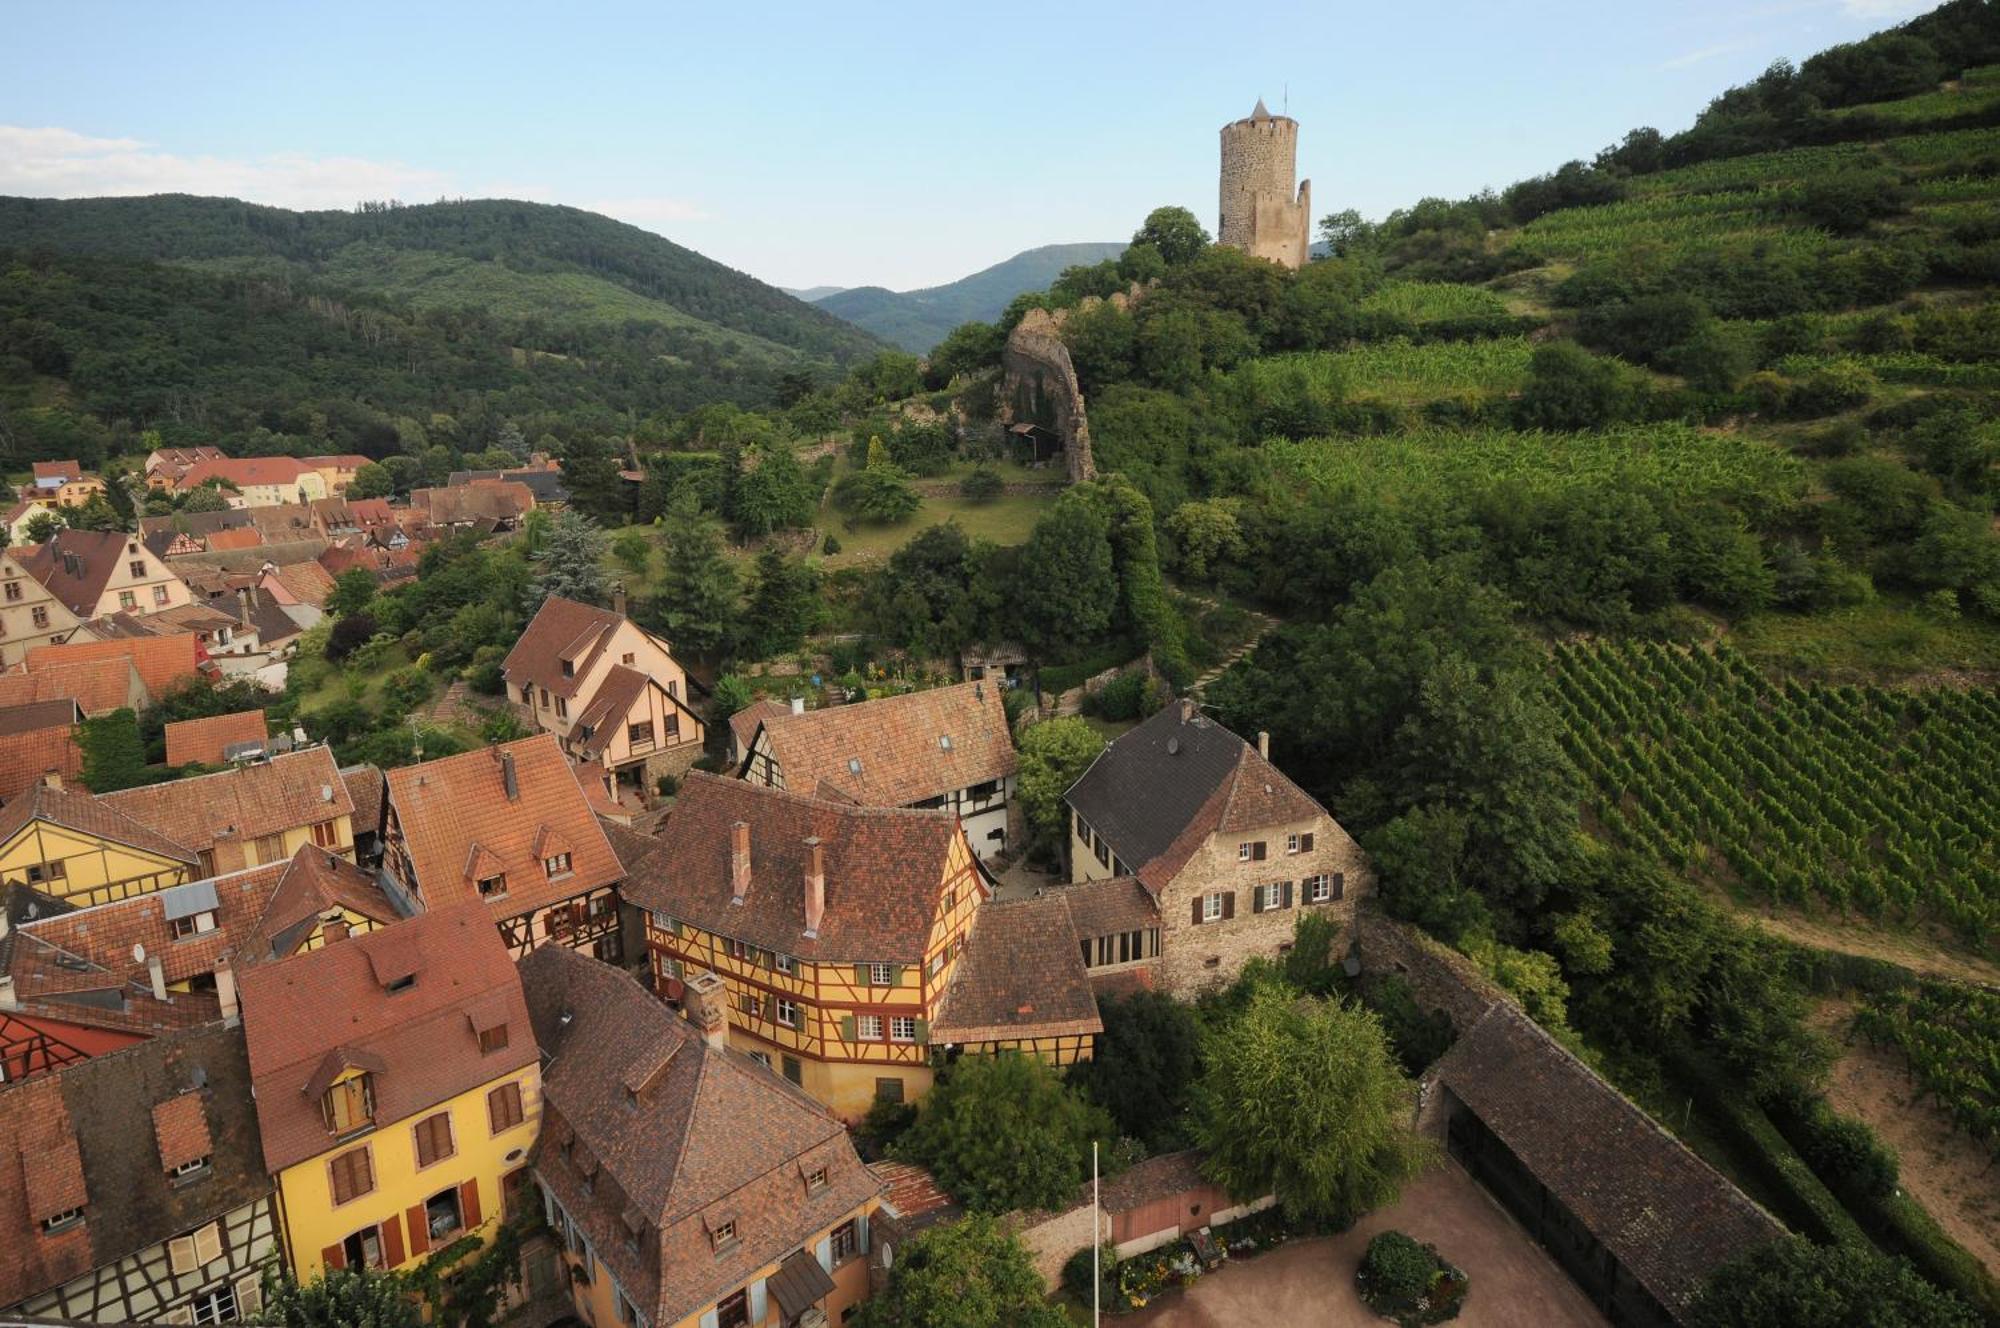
95,572
30,613
1205,835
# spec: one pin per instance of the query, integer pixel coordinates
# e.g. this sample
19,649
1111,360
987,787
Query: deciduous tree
965,1274
1003,1132
1054,753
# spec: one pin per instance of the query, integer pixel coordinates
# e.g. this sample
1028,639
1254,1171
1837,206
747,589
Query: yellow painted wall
95,870
312,1221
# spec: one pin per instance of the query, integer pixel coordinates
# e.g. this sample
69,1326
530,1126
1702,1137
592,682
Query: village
287,1019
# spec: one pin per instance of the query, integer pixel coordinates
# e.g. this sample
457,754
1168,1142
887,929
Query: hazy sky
857,143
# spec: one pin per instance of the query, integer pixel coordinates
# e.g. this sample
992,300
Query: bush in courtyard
1403,1279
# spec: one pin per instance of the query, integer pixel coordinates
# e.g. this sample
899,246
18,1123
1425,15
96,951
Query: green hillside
917,320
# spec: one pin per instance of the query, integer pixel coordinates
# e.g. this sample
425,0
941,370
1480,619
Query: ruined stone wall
1440,978
1040,387
1260,214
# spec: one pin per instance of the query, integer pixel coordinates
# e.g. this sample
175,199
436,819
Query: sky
856,143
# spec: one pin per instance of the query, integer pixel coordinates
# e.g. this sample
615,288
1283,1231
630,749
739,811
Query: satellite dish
138,953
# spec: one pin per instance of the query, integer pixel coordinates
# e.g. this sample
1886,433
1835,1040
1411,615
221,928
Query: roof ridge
938,814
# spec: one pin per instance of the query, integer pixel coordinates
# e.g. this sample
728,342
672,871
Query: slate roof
163,662
208,738
422,1036
88,1133
94,556
98,685
885,871
456,809
680,1136
81,810
561,629
34,739
285,792
1158,791
1665,1214
892,752
1021,976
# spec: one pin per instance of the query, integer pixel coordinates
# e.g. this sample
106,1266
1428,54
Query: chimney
798,705
815,884
739,861
225,993
52,778
333,925
508,778
705,1002
1187,709
618,598
243,603
158,973
1263,744
7,1001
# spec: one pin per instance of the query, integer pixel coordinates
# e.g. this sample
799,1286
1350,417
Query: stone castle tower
1260,214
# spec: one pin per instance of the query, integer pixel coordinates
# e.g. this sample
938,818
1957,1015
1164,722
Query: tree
352,591
339,1298
207,498
512,441
1053,755
695,603
572,560
114,756
1003,1132
1068,590
371,480
633,548
1303,1098
934,595
42,527
1206,535
965,1274
1568,388
1147,1060
1175,233
1792,1283
879,493
784,604
773,494
350,632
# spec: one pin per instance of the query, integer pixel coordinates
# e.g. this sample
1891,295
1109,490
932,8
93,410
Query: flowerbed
1408,1281
1139,1280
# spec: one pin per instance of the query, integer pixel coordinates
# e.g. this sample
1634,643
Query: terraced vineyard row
1950,1034
1856,799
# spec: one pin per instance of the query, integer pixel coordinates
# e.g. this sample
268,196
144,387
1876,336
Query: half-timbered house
76,847
250,815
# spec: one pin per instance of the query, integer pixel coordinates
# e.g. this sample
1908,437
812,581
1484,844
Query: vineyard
1856,799
1671,457
1903,366
1950,1035
1401,372
1426,302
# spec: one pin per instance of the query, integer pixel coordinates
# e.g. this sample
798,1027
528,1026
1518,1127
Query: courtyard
1515,1284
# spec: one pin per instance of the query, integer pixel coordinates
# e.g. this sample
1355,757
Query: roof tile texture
204,740
898,744
1021,975
286,792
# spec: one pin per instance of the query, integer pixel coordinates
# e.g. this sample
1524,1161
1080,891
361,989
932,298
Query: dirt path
1954,1178
1925,955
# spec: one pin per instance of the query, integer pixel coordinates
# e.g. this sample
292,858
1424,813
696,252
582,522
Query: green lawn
1005,520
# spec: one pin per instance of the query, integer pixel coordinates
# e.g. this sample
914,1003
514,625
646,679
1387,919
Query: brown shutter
1286,896
420,1231
1228,905
392,1241
1339,884
1257,851
468,1202
333,1257
1256,899
1197,910
1306,842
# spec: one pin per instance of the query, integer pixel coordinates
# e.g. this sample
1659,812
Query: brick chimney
508,778
618,598
815,884
225,994
1187,709
706,1004
739,861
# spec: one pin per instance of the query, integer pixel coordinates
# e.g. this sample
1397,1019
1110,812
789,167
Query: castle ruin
1260,214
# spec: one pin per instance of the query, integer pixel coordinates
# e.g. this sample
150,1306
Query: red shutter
1197,910
420,1231
468,1203
392,1241
1228,904
333,1257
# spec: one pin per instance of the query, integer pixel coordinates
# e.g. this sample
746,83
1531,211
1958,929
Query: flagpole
1096,1242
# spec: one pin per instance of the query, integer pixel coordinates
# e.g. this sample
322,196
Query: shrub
830,545
1829,389
1398,1266
1133,694
983,485
1405,1280
348,635
1076,1274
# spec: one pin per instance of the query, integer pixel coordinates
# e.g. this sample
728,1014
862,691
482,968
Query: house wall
236,854
145,1288
633,648
313,1223
658,708
93,870
150,589
21,596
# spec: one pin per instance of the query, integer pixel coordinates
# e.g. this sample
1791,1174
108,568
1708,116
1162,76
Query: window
349,1104
1318,889
1306,842
363,1249
944,742
569,669
869,1028
788,1012
62,1221
815,1180
493,887
724,1234
846,1242
46,871
325,833
194,924
555,866
639,734
881,975
936,964
752,1006
503,1107
1103,852
13,591
628,658
673,726
433,1135
40,614
733,1310
1291,843
545,698
785,964
352,1174
271,848
738,949
562,708
137,567
187,1170
902,1028
1272,896
888,1090
217,1306
493,1039
763,1058
1243,852
197,1249
441,1213
127,600
793,1070
1211,907
160,597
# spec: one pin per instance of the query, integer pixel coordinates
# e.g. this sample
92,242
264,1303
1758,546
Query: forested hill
456,307
918,320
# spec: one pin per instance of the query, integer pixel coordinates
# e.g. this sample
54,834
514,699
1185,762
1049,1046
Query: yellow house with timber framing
74,847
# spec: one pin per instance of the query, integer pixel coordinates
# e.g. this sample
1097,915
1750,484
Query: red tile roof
885,871
79,810
205,739
180,1127
58,470
286,792
308,582
237,472
898,750
455,812
1021,976
164,662
743,724
98,685
41,1175
34,739
249,537
562,629
422,1036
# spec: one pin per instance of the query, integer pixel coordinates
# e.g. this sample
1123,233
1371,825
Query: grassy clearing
1887,639
1005,521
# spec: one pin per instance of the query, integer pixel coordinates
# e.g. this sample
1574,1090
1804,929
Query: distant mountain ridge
917,320
812,294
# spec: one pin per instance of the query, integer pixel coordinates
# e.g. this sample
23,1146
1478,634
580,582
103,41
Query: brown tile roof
365,787
80,810
206,739
1665,1214
163,662
885,871
286,792
561,629
98,685
310,885
198,524
1156,1178
281,523
1102,908
76,565
1123,982
41,1175
184,617
58,470
696,1136
34,739
1021,976
180,1127
451,811
223,540
1157,792
743,724
238,472
308,582
422,1036
914,1193
604,718
892,752
500,500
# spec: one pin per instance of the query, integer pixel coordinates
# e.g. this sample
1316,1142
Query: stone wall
1052,1237
1260,214
1440,978
1040,387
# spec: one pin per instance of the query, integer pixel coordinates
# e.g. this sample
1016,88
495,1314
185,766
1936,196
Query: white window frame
868,1027
1243,851
1318,889
785,964
1211,906
900,1022
881,975
786,1011
1292,843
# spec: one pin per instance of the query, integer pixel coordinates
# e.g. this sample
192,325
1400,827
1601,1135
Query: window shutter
420,1231
180,1314
847,1028
1286,896
468,1202
180,1254
1257,851
249,1294
1339,884
895,975
1306,842
208,1244
1197,910
1256,899
1228,904
861,975
333,1257
923,1030
392,1241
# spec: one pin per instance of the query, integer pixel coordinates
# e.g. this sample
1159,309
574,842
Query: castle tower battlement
1260,213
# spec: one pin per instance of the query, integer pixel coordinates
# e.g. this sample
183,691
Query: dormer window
724,1234
63,1221
944,742
557,865
493,887
853,765
404,983
194,924
350,1104
569,669
816,1180
188,1170
493,1039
